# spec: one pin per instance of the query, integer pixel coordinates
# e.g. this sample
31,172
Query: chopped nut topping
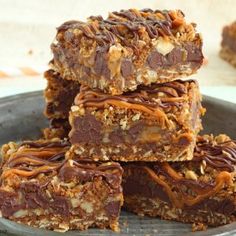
191,175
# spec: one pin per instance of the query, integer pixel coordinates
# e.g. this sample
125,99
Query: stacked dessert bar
132,104
115,99
228,44
59,95
200,191
41,187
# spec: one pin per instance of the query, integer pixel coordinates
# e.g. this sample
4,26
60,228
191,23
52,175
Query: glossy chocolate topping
86,171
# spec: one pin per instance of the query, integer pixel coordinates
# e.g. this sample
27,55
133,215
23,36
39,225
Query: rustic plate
21,118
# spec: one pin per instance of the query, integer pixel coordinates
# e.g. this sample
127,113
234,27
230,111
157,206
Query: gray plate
21,118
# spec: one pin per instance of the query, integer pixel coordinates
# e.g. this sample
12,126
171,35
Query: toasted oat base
57,223
157,208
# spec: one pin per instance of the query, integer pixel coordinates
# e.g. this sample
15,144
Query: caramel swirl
218,152
218,155
179,199
108,31
34,158
174,94
151,100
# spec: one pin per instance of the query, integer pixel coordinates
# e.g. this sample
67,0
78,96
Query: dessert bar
58,128
42,188
197,191
154,123
59,95
128,48
228,44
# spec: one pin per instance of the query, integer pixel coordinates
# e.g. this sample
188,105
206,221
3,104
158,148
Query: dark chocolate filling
177,56
65,97
136,184
87,130
143,186
125,27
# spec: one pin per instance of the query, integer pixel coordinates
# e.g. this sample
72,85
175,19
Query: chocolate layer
204,184
177,56
34,194
139,184
153,123
90,131
59,95
39,181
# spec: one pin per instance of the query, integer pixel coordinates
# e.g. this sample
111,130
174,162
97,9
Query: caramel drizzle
29,162
36,158
32,173
218,156
140,100
88,164
222,179
155,23
222,156
33,158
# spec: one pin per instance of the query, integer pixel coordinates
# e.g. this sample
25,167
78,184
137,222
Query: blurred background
28,27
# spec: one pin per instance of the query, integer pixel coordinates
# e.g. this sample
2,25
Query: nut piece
87,206
164,46
202,167
222,138
191,175
74,108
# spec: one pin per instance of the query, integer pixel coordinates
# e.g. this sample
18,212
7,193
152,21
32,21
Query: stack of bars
228,44
121,118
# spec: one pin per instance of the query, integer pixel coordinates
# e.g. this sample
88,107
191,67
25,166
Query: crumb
198,227
30,52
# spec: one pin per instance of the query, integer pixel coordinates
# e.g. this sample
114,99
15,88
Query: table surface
28,28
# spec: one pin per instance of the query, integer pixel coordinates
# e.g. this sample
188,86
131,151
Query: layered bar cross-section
59,96
42,188
128,48
153,123
197,191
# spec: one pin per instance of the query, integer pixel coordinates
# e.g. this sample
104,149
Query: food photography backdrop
28,28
